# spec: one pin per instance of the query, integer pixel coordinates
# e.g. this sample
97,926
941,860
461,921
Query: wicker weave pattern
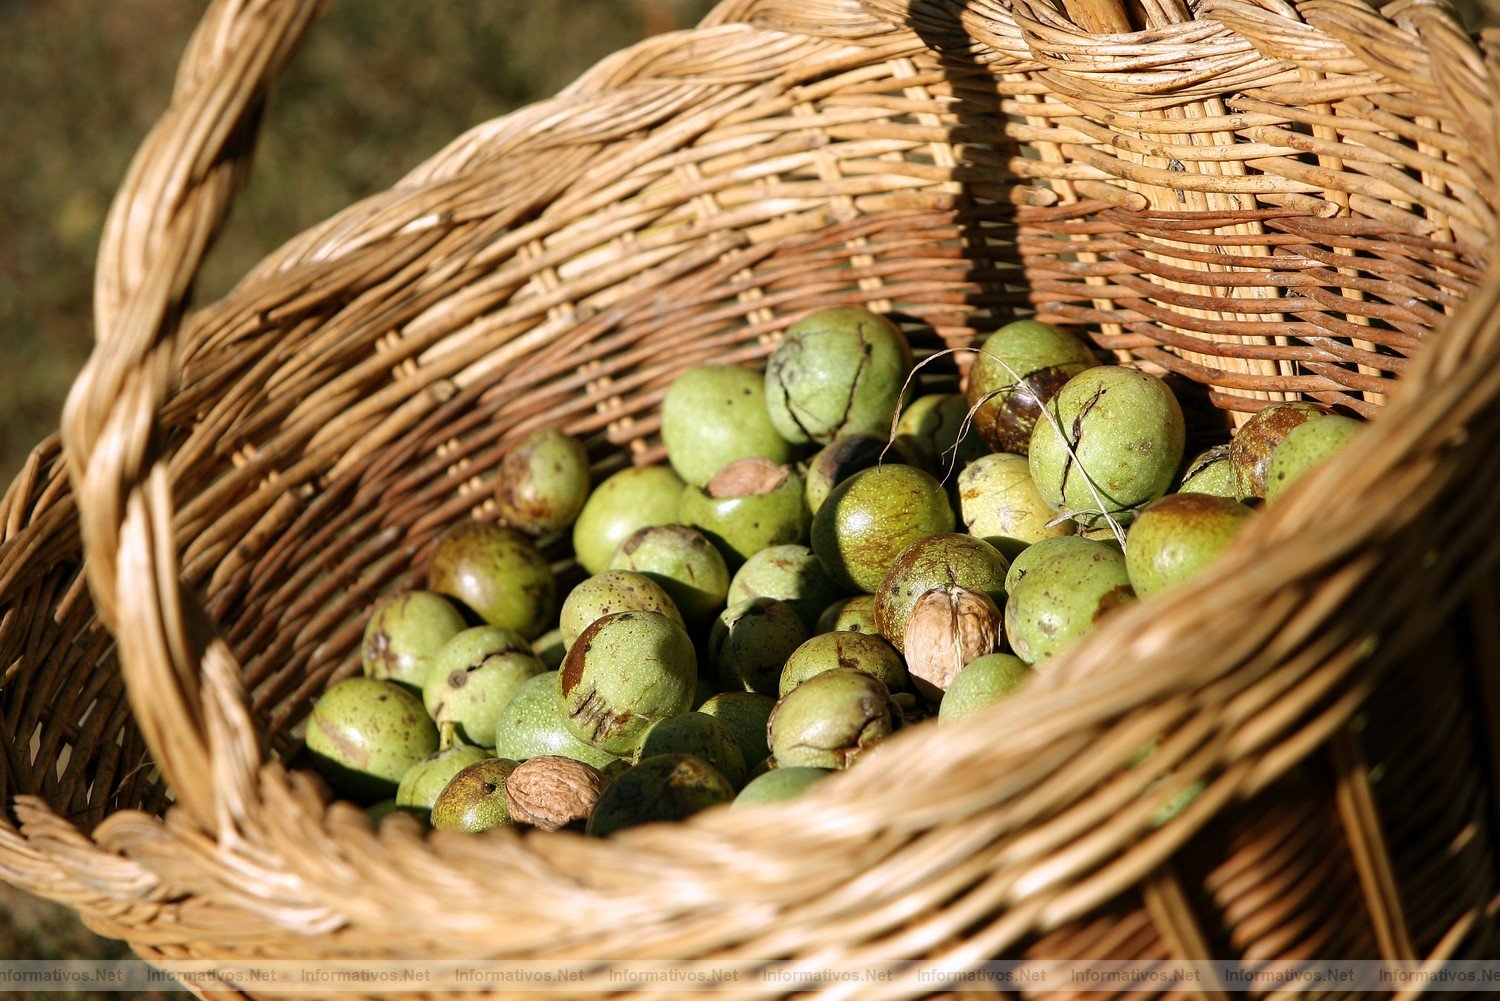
1263,201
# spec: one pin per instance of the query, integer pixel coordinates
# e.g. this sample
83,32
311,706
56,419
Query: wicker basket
1266,200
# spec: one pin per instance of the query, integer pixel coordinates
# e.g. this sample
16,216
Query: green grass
380,86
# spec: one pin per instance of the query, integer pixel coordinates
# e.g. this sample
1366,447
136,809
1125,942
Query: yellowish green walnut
715,414
629,500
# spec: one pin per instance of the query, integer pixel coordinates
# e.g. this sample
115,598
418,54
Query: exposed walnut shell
751,477
948,628
552,792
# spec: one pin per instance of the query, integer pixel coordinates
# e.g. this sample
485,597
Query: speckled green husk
474,800
1049,550
611,591
1210,473
629,500
1001,505
750,642
404,633
1177,537
1255,442
549,648
1062,599
533,724
929,427
1044,357
745,715
779,785
701,735
983,682
1308,446
364,733
543,482
423,781
856,651
871,517
661,788
625,672
1126,433
715,414
855,615
473,677
947,560
498,574
743,525
846,455
836,371
687,566
792,574
830,720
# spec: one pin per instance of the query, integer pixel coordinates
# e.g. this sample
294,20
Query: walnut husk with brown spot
749,477
552,792
948,628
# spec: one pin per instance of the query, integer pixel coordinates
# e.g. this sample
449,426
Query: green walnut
871,517
778,786
831,720
856,615
404,633
930,427
498,574
543,482
1020,367
846,455
947,560
982,683
748,506
1061,600
423,781
1211,472
534,725
855,651
1123,444
386,807
1252,446
687,566
364,733
474,800
623,673
701,735
1177,537
713,415
472,679
836,371
1000,504
1050,550
790,573
608,592
1307,446
750,642
661,788
745,715
628,501
550,649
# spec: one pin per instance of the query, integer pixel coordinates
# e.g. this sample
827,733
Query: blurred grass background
381,85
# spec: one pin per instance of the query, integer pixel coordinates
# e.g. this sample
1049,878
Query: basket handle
170,208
